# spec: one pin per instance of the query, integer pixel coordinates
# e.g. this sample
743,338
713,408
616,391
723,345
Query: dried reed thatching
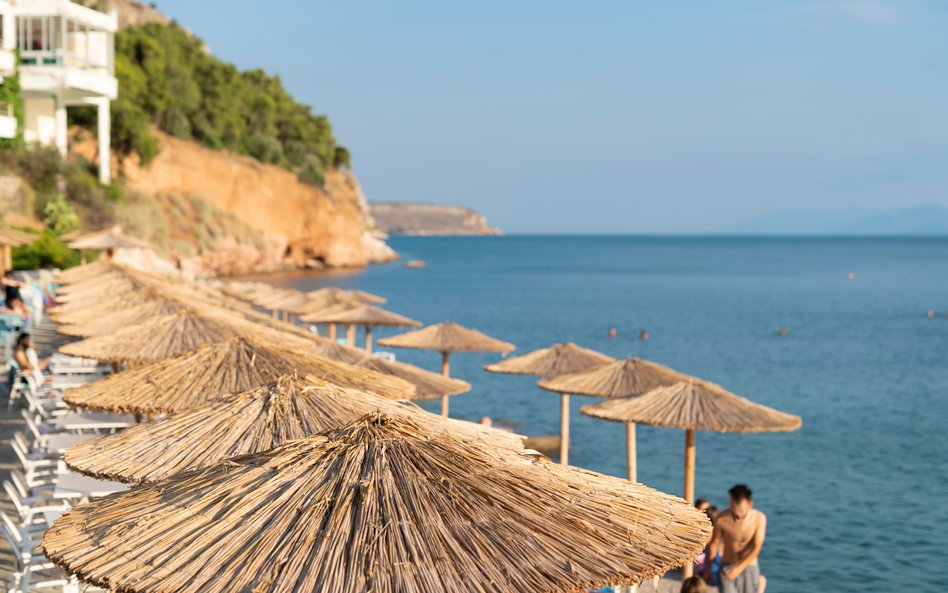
448,337
558,359
622,378
15,238
170,335
336,351
428,385
695,405
350,294
99,305
83,272
355,314
280,298
122,318
325,298
96,288
289,408
217,369
380,505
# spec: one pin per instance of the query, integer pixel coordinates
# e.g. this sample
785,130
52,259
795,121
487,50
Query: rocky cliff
308,225
405,218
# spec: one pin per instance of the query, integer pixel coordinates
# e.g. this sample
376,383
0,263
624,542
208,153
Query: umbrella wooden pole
688,569
7,258
273,312
351,336
368,339
564,428
630,463
445,370
332,332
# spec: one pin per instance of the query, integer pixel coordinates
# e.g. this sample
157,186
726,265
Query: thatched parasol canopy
356,314
15,238
260,419
360,314
349,294
122,318
622,378
170,335
112,238
558,359
217,369
447,338
428,385
83,272
694,405
380,505
336,351
10,238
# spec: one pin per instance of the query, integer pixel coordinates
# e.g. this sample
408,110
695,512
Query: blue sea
857,499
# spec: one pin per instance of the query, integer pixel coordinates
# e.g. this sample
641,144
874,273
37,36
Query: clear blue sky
635,116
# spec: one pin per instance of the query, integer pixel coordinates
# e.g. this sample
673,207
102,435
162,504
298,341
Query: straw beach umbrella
690,406
217,369
558,359
10,238
446,338
107,240
428,385
360,314
83,272
694,405
622,378
257,420
122,318
348,294
380,505
173,334
325,299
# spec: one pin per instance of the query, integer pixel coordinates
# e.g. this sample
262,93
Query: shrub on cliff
46,251
167,79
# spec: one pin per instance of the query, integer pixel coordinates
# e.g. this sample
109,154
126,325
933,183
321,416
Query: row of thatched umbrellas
641,392
287,462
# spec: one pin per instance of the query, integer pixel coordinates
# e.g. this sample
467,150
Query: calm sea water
857,499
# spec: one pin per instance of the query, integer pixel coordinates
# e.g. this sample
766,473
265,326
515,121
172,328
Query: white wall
39,123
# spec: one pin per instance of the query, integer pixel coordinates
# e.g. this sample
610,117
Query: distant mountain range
916,220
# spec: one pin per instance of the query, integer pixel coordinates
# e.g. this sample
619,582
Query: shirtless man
739,535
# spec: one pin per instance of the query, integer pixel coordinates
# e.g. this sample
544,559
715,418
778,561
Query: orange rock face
318,225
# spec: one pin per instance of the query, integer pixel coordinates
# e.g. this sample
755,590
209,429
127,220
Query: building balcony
45,72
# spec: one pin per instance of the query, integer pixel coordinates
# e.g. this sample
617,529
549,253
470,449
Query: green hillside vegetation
167,79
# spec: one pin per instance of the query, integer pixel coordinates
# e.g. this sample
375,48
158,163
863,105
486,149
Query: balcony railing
59,58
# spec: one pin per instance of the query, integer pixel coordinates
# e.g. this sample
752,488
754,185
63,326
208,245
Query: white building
67,58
